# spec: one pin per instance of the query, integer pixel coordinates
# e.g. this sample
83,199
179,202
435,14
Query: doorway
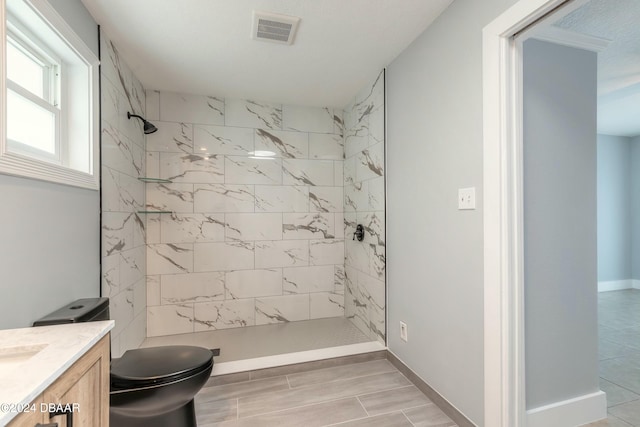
504,227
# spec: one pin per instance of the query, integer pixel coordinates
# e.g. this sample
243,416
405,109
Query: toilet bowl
152,386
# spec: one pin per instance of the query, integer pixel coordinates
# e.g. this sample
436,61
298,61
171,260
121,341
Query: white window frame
26,164
40,52
19,147
51,90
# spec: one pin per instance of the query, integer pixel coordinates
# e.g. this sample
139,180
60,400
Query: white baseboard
570,413
617,285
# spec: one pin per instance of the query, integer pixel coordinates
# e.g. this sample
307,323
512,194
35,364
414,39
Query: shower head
147,127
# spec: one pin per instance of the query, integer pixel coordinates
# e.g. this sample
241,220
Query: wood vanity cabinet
30,418
85,384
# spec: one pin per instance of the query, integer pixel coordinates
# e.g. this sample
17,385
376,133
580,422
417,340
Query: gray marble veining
308,226
170,197
192,168
247,170
223,140
189,228
224,314
123,195
364,203
282,144
120,153
224,198
169,258
171,137
259,196
282,253
281,198
326,199
282,309
253,114
308,172
178,107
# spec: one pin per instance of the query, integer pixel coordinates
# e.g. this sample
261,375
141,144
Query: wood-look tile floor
368,394
619,356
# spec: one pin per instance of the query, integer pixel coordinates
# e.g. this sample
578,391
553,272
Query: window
50,96
33,80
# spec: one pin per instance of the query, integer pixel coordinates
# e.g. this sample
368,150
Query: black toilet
149,386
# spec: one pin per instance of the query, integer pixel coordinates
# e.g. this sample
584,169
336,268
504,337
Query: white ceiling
204,46
618,64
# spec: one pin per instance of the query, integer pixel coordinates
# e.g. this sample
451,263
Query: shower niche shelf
155,212
154,180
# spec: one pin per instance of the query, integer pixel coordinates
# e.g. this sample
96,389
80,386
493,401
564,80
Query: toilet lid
153,365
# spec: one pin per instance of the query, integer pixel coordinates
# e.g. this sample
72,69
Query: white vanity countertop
31,359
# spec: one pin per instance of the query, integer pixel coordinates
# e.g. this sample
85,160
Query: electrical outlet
403,332
467,198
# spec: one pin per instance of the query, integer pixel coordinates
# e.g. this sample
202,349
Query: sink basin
12,357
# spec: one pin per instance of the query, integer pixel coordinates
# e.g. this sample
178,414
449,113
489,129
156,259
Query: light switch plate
466,198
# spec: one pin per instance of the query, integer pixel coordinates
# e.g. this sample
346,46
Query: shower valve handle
359,234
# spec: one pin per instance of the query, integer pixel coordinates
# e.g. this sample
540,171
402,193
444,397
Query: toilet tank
82,310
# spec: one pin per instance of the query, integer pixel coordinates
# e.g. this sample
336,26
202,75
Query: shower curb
294,368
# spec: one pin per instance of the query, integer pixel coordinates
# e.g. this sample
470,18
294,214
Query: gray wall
80,21
614,208
49,243
435,251
635,207
49,248
559,223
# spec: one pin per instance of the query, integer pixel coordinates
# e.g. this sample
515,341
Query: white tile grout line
430,403
394,389
296,407
348,364
342,398
623,403
615,329
618,418
364,418
363,407
405,415
425,405
311,404
301,387
315,384
341,423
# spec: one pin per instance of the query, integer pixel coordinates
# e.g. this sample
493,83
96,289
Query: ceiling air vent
274,28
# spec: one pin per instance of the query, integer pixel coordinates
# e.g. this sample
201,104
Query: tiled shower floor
269,340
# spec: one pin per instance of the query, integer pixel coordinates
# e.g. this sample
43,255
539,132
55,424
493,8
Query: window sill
13,164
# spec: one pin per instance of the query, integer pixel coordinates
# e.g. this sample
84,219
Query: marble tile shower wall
249,240
123,230
364,203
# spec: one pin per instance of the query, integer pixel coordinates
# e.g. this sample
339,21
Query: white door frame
504,382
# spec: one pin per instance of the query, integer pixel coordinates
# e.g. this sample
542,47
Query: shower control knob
359,234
